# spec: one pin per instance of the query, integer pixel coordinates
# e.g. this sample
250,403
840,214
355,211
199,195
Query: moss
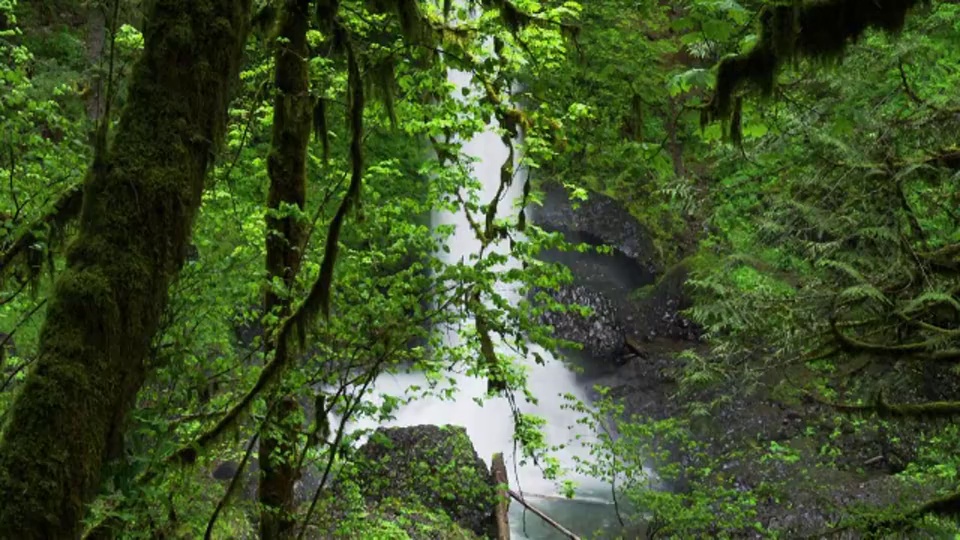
426,466
351,518
817,30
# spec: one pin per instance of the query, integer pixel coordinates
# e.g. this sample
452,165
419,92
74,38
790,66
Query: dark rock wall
601,218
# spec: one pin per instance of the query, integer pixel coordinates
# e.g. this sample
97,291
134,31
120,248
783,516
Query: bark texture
95,42
286,165
139,203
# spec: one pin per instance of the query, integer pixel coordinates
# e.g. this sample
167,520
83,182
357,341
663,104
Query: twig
335,446
9,337
906,85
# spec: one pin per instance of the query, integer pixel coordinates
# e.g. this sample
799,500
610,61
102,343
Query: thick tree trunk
285,236
139,204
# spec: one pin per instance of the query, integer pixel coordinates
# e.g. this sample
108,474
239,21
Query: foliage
387,287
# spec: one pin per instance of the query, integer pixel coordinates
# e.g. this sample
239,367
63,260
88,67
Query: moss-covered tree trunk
140,199
285,236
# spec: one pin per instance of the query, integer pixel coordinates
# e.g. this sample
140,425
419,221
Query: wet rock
433,466
658,310
600,217
600,332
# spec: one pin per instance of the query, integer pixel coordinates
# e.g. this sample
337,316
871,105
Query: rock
657,313
612,274
601,218
600,333
340,517
435,467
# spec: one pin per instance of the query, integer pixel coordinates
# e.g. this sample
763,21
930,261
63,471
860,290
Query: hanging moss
22,252
320,130
412,22
327,11
930,410
817,30
513,18
380,81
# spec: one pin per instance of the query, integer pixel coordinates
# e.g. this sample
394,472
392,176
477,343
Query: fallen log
565,499
539,513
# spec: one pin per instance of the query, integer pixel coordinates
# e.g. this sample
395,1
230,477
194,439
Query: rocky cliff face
610,284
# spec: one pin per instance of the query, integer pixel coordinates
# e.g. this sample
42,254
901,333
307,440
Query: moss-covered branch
926,350
20,249
881,407
319,298
884,525
947,506
788,32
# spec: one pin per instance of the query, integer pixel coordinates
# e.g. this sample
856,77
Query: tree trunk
285,237
96,39
139,203
498,469
279,471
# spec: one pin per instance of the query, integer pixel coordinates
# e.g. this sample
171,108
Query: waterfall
490,425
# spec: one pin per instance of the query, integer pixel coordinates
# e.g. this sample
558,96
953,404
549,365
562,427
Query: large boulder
435,467
344,516
600,333
613,274
601,219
